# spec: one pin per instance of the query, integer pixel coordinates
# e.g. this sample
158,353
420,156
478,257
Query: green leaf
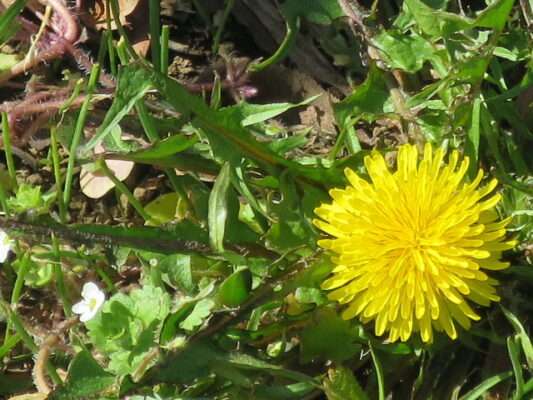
236,288
486,385
472,138
86,378
402,51
218,209
201,311
525,341
317,11
371,98
8,24
438,23
228,140
310,295
342,385
251,114
7,61
166,208
27,198
178,267
126,327
162,149
131,88
114,142
247,362
340,344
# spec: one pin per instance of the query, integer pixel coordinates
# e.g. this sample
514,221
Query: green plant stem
221,26
17,288
9,344
3,199
165,35
116,17
155,33
75,93
57,175
78,130
123,189
60,282
151,132
6,135
292,29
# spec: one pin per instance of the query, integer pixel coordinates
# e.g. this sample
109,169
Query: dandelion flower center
411,245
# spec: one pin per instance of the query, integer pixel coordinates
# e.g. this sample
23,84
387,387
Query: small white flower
93,298
5,246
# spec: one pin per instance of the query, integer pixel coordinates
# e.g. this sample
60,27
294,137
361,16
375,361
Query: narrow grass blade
484,386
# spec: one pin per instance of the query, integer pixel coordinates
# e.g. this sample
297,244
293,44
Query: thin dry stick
45,349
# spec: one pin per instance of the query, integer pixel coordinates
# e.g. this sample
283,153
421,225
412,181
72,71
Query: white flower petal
88,290
80,308
87,315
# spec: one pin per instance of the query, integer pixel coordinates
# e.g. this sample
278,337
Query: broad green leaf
317,11
371,98
255,113
218,209
131,88
114,142
340,344
7,61
162,149
178,267
228,139
166,208
235,289
440,23
8,24
342,385
402,51
200,312
310,295
86,378
125,329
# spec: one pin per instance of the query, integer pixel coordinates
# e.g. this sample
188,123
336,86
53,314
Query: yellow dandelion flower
412,246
